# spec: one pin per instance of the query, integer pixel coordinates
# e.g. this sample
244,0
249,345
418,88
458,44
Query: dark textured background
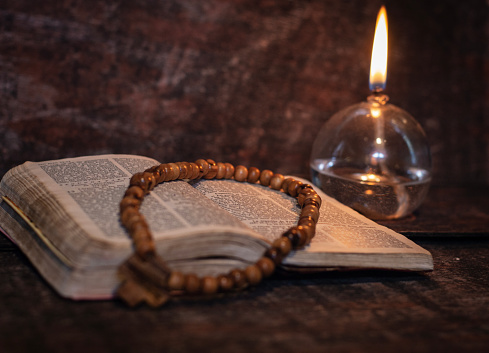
241,81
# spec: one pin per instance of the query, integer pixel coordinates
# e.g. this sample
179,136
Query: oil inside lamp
373,156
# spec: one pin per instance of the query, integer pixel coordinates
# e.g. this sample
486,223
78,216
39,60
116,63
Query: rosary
145,275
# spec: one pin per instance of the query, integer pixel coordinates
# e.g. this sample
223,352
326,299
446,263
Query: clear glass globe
373,157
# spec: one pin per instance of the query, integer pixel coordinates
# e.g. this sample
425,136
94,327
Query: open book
64,215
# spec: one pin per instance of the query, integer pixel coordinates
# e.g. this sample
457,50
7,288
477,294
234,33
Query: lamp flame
378,64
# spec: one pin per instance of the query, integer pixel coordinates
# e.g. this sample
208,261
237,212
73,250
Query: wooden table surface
446,310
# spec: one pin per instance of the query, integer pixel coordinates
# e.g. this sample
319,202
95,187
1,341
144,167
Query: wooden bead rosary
145,276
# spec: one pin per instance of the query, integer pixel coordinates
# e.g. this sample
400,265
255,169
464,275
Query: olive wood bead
274,255
204,165
293,187
166,172
283,245
229,171
309,230
129,213
155,171
192,284
141,234
300,199
313,197
265,177
285,184
312,202
128,202
209,285
253,275
253,175
311,210
266,266
307,191
195,171
221,170
176,281
145,248
135,226
297,237
183,167
225,283
134,191
240,173
174,171
305,220
211,174
146,181
238,277
276,181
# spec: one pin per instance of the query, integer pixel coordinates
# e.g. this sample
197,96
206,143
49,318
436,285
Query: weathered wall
241,81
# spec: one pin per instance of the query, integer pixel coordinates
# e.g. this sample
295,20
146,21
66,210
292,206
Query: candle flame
378,64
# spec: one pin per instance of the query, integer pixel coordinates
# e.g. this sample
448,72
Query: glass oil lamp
373,156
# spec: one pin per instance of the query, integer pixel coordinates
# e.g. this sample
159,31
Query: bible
64,215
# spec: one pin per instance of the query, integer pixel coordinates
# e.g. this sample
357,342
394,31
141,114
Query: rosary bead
310,210
274,255
276,181
161,174
141,234
203,165
135,222
174,171
209,285
300,199
239,278
253,275
195,171
285,184
182,166
137,226
134,192
307,191
266,266
283,245
155,171
129,215
297,237
221,170
225,283
128,202
165,173
229,171
192,284
306,186
253,175
145,181
313,198
309,230
211,174
240,173
312,202
265,177
293,187
176,281
145,248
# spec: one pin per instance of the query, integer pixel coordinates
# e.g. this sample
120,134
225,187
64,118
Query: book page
97,184
339,230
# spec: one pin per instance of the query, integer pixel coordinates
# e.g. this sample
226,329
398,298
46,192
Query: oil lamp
373,156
